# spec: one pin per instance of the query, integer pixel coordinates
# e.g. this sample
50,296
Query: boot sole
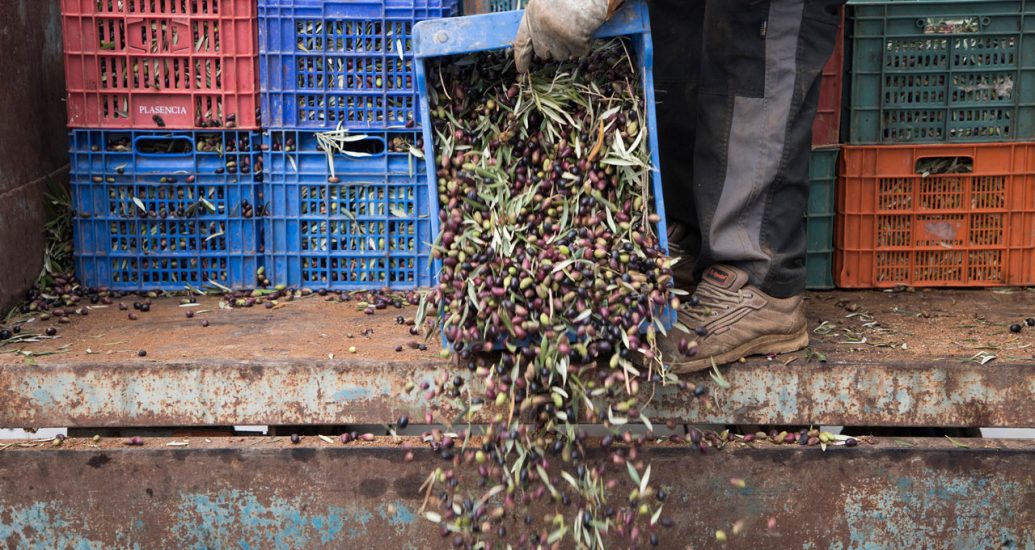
781,343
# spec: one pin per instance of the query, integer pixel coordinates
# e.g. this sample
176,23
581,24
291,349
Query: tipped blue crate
493,31
153,212
348,62
368,230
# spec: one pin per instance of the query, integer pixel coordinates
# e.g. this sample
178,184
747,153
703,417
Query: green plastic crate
506,5
819,219
475,7
942,71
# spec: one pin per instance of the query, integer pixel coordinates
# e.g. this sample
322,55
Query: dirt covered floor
870,326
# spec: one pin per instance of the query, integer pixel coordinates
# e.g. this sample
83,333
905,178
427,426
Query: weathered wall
32,135
266,493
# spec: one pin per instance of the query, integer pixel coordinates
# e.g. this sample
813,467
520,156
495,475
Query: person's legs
756,99
756,103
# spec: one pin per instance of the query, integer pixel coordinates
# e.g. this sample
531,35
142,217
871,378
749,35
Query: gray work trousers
737,86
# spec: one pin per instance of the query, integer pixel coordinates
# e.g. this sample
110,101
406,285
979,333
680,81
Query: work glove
559,29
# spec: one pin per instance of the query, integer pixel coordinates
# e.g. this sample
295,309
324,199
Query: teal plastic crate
942,71
819,219
506,5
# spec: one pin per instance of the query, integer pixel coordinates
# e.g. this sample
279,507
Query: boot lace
711,301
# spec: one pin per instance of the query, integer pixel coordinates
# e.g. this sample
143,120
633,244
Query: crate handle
938,165
363,147
163,146
177,38
952,26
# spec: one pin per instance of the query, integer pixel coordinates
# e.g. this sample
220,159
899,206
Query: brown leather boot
683,272
683,269
730,319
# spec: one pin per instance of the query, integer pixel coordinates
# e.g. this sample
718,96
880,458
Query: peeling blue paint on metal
363,517
43,397
207,520
397,514
905,400
370,389
889,517
787,398
352,393
1004,535
41,526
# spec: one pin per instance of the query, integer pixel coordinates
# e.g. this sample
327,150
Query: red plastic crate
148,64
826,128
901,223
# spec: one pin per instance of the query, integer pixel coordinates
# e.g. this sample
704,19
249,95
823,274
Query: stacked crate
826,135
936,186
345,176
164,152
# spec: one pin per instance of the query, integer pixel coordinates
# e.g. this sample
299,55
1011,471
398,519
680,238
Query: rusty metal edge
930,495
216,393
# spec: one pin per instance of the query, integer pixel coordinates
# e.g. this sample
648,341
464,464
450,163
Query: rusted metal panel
213,393
201,393
247,494
32,131
33,128
930,393
21,248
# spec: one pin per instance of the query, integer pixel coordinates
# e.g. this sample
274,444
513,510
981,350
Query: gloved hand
559,29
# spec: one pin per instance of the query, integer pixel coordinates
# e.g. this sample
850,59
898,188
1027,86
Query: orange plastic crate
897,225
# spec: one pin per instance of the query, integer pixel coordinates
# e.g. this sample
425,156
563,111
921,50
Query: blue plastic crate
370,229
476,33
347,62
163,210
